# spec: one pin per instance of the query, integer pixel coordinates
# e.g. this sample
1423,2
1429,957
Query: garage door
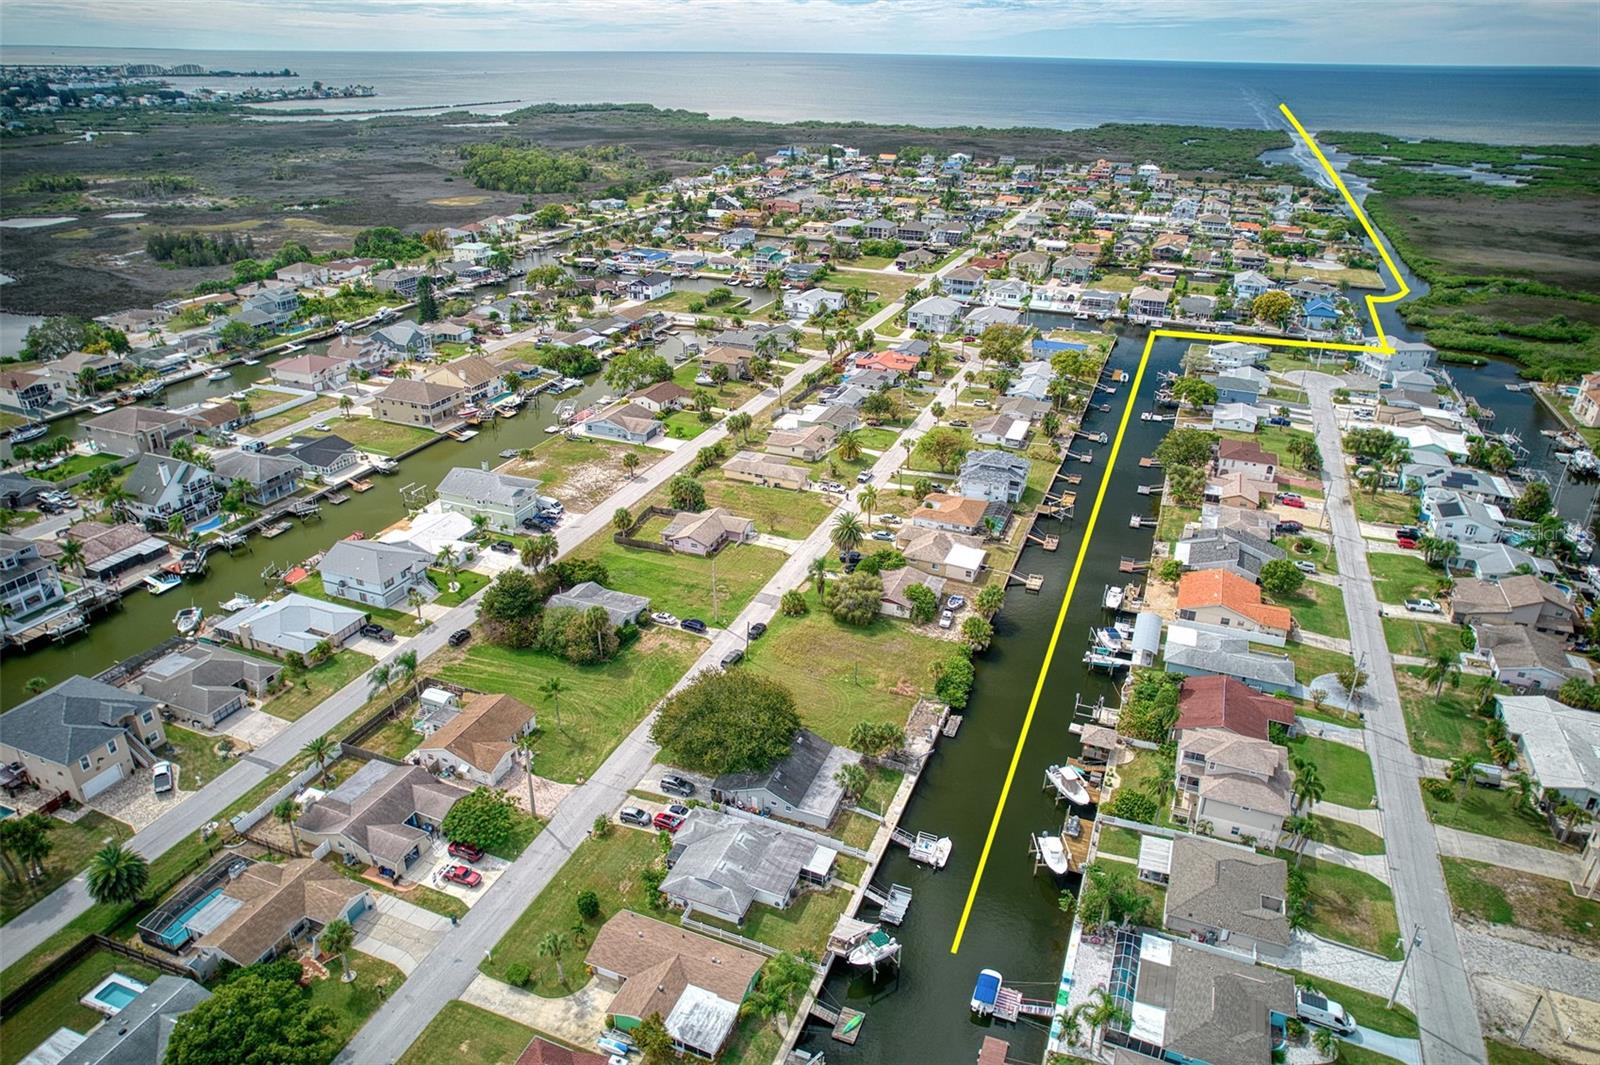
100,782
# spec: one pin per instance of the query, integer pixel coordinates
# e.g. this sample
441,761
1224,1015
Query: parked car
633,815
323,427
1320,1010
673,784
161,777
1305,567
959,423
883,534
466,852
694,625
1423,606
850,560
668,821
47,506
1276,420
863,477
461,874
377,632
732,658
1288,526
661,617
1406,542
890,519
947,619
1408,532
504,547
1291,499
459,637
758,629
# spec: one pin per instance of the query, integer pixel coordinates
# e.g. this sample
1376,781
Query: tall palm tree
1444,666
1103,1012
176,525
406,670
551,689
848,445
415,600
846,533
286,811
551,946
630,463
1459,771
379,679
72,555
1308,788
319,750
1524,790
117,874
819,573
527,751
868,499
337,938
1300,827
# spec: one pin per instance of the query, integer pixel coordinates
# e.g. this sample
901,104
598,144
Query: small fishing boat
23,433
217,375
1068,782
238,397
238,602
506,410
161,583
101,408
188,619
878,947
1052,853
383,465
358,485
252,362
929,849
277,528
552,429
986,992
357,535
614,1046
1114,594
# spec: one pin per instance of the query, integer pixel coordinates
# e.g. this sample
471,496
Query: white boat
238,602
552,428
101,408
880,946
1113,600
252,362
1068,782
384,465
217,375
188,619
986,992
161,583
23,433
1052,853
238,396
929,849
464,435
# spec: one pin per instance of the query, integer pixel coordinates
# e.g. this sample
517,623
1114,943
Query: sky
1444,32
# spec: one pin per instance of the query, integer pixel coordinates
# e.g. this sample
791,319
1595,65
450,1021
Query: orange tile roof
897,361
1218,587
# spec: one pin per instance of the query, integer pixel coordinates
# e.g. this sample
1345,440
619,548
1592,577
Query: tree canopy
262,1016
486,818
726,722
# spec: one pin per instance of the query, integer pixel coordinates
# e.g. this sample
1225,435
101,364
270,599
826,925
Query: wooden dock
1047,542
1138,521
1009,1005
1033,582
1148,463
1085,456
846,1022
1132,565
952,723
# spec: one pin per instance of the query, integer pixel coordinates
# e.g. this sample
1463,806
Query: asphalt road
1440,993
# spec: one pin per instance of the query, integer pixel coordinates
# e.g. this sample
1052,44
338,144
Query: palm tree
1444,666
1308,788
176,525
551,946
1300,827
540,551
630,463
846,533
848,445
71,555
405,669
346,405
35,685
852,779
783,980
551,689
1524,789
527,750
446,558
1459,771
117,874
379,678
1571,815
338,938
1103,1012
480,524
319,750
415,599
868,498
819,573
286,811
116,499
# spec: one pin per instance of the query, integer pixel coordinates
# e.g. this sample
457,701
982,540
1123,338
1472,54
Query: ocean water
1498,105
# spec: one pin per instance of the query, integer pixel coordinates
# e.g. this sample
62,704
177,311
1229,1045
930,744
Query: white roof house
1559,744
294,623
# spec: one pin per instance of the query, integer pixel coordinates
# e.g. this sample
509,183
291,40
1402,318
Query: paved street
1440,992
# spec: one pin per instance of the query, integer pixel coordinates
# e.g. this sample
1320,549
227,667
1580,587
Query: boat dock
1139,521
1047,542
1032,582
892,904
846,1021
924,848
1010,1004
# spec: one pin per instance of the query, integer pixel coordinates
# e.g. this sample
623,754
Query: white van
1315,1008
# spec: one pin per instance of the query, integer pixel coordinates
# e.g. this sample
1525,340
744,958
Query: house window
146,717
83,763
111,746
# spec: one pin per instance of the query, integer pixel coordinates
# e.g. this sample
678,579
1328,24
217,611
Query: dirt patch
1549,239
581,473
1564,1028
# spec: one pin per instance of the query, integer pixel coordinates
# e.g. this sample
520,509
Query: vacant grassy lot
841,674
1350,907
1385,508
1492,812
1512,897
1397,578
1318,608
57,1006
1344,835
294,416
395,739
315,685
461,1032
598,705
779,511
1410,636
383,438
1312,662
71,846
580,472
685,425
1442,725
682,584
1346,773
1312,550
199,763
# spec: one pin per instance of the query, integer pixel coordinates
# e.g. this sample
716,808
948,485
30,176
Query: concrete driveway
651,782
578,1018
399,932
253,727
430,868
134,802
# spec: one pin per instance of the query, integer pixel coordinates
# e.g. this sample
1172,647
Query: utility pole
1410,948
1522,1036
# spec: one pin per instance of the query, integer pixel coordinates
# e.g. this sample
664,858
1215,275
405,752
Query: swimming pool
112,995
178,933
214,522
5,811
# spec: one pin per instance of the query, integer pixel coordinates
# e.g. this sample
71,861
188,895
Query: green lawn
1141,774
1346,773
1318,608
352,1003
1314,550
611,868
1503,1053
384,438
461,1032
753,1043
1491,812
1172,520
469,582
871,672
395,739
881,788
1512,897
778,511
315,685
1344,835
403,622
1122,841
1442,725
293,416
854,830
1385,508
1351,907
878,438
71,846
685,424
1313,662
580,472
1127,874
1398,577
1409,636
57,1006
598,704
1369,1010
682,584
74,465
803,926
196,756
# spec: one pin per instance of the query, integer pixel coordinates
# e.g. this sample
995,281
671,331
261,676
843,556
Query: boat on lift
1068,781
986,992
238,602
1052,853
878,947
161,583
23,433
187,620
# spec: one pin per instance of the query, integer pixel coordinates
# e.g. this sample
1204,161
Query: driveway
651,782
399,932
134,802
430,868
253,727
1392,1046
578,1018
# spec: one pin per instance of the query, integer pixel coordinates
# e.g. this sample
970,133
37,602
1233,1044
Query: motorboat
239,396
1113,599
238,602
101,408
23,433
384,465
929,849
1068,782
276,529
1052,853
878,947
188,619
161,583
217,375
552,429
252,362
986,992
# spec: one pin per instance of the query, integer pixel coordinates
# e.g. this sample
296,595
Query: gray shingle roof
70,720
138,1035
488,487
369,562
724,860
788,779
255,467
1227,887
620,606
146,481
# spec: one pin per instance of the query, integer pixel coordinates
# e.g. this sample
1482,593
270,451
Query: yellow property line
1383,347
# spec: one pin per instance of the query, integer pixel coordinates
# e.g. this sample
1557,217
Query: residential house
294,624
1528,660
695,984
1234,355
735,359
136,430
661,398
957,513
405,339
402,281
894,601
1217,599
30,391
621,607
1001,430
737,239
109,550
81,736
799,787
1199,1005
800,306
214,417
1320,313
943,554
275,304
625,421
893,362
1229,896
1101,303
303,275
1407,356
1074,268
1198,652
721,864
1236,490
1224,703
1244,384
755,468
1450,515
651,286
1236,417
325,456
19,491
29,584
996,476
1245,457
418,402
479,744
202,685
935,314
963,282
139,1033
375,573
1488,561
808,444
1232,786
1237,551
543,1052
706,532
506,500
1248,284
1147,302
1558,745
270,477
1197,308
161,487
1586,404
384,816
1033,380
1521,599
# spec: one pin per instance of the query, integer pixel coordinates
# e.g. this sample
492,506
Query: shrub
1439,789
588,905
854,598
1133,805
517,974
793,603
955,681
